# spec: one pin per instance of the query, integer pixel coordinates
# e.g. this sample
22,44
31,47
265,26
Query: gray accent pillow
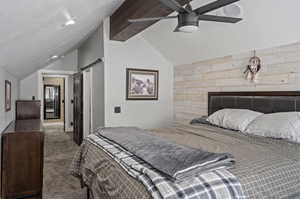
236,119
200,120
285,125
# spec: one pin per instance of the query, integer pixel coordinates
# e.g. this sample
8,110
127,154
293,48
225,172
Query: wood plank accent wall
122,30
280,72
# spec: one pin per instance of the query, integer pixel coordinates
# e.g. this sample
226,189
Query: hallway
59,152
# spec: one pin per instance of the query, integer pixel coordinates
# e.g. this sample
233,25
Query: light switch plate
117,109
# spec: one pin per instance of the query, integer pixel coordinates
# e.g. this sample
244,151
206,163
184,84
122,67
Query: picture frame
142,84
7,95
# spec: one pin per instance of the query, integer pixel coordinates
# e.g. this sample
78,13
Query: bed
265,167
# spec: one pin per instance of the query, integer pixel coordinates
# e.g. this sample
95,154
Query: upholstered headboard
265,102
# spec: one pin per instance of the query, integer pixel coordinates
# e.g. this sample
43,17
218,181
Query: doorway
52,102
54,99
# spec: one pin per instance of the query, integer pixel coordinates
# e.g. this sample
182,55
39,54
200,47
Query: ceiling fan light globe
188,28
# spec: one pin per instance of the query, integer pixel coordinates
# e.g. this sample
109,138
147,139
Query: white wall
91,50
97,73
135,53
7,117
66,63
29,87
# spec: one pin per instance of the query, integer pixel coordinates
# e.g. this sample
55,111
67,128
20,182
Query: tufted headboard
265,102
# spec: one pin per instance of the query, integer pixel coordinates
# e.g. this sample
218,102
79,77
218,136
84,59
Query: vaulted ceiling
32,31
266,24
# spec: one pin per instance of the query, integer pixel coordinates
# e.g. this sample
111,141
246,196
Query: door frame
59,99
57,73
87,102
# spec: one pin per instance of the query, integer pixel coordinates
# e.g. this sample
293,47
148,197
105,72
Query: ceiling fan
188,19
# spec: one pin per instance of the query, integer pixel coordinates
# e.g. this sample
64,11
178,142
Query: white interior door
87,103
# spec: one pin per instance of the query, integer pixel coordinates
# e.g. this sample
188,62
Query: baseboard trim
69,129
53,124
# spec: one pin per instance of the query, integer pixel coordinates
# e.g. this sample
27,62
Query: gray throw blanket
177,162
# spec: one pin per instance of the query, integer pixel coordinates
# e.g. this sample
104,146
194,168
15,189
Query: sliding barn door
78,108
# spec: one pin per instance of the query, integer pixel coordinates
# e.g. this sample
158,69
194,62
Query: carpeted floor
59,151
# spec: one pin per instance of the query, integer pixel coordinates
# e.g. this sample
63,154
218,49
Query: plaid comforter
219,184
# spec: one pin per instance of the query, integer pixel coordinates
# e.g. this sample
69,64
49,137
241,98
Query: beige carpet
59,151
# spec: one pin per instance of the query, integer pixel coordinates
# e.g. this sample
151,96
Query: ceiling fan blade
150,19
214,5
219,19
174,5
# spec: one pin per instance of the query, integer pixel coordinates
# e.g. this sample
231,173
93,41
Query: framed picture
142,84
7,95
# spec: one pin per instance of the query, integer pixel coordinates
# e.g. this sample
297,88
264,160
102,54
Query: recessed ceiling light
54,57
70,22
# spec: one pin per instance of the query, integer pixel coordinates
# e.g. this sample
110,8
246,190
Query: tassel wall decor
253,68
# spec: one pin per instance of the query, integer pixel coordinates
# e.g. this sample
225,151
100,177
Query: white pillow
277,125
236,119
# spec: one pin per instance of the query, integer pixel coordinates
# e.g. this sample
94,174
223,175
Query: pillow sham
236,119
285,125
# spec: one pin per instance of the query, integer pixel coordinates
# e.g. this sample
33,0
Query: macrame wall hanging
253,68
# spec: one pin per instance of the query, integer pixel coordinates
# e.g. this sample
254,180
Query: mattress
266,168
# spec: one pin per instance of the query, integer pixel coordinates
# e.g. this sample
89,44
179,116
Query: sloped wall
66,63
280,72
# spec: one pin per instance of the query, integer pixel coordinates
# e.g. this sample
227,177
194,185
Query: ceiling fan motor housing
188,19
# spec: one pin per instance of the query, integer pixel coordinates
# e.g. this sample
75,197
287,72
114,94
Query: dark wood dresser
28,109
22,152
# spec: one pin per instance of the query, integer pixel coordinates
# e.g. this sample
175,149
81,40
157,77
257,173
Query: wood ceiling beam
122,30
